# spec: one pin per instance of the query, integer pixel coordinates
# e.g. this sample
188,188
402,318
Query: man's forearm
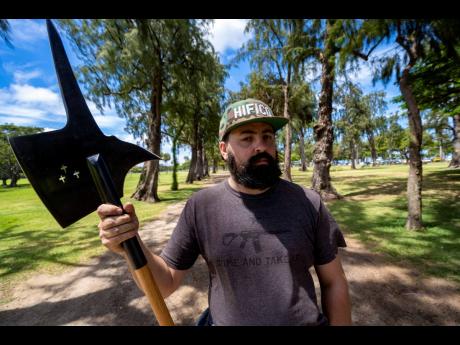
336,304
159,269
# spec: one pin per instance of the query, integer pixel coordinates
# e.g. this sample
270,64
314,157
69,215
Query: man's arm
116,227
335,298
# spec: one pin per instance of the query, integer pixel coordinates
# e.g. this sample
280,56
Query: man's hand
116,227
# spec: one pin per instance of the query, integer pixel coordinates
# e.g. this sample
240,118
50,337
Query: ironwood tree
130,64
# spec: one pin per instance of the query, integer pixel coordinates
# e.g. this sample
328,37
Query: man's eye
247,139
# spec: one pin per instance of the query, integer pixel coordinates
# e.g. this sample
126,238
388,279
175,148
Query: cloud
109,122
26,31
17,120
31,95
22,77
31,105
23,103
228,34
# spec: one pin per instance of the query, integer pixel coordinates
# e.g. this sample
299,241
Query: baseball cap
247,111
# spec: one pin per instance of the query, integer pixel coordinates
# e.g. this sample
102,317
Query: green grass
374,210
31,240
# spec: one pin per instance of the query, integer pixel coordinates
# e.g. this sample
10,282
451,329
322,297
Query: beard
255,176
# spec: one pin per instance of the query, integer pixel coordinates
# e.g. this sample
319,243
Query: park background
279,61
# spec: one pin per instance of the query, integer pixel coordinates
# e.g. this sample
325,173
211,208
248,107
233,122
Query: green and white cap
247,111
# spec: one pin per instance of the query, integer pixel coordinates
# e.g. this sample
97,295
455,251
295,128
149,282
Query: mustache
261,155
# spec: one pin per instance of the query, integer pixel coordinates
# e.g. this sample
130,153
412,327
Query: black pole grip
107,192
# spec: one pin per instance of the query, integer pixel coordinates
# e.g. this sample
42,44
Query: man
259,235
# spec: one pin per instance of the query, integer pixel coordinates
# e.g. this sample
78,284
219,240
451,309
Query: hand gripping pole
106,189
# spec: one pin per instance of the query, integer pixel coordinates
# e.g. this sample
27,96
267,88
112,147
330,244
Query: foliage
5,29
9,167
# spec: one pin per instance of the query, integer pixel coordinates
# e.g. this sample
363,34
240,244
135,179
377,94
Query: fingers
117,230
115,226
113,242
106,210
129,208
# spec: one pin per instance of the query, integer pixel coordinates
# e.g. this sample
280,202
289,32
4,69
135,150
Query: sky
30,96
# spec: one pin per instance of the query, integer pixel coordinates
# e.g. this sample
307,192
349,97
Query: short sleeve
328,237
182,249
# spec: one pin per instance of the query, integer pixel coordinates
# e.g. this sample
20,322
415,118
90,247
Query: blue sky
29,93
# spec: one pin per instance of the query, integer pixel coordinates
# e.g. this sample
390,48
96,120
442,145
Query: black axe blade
55,162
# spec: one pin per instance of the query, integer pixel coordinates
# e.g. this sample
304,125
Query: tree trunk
205,164
191,169
323,131
199,160
288,136
455,162
303,160
191,176
414,182
4,182
147,190
214,166
175,184
370,138
14,181
353,154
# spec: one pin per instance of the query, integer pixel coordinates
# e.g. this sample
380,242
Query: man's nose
260,145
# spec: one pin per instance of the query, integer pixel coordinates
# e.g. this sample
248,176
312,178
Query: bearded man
258,234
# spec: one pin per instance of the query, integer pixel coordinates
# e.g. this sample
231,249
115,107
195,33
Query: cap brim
275,121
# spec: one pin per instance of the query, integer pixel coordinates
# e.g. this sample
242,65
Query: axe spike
75,105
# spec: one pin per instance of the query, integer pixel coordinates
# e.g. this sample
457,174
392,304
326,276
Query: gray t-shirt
258,249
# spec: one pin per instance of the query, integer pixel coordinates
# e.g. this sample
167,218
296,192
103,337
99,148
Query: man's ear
223,150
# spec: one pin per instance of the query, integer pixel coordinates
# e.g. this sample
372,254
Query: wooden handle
154,296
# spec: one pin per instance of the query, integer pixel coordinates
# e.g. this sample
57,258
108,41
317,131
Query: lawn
31,240
374,210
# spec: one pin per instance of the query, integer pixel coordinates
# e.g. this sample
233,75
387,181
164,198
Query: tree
174,125
5,29
267,51
437,124
131,63
9,167
205,96
303,107
414,39
327,42
352,113
436,86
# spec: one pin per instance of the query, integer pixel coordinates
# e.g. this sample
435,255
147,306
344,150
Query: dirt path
103,293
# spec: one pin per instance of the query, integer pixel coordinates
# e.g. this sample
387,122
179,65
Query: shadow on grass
4,189
372,185
178,195
103,293
37,246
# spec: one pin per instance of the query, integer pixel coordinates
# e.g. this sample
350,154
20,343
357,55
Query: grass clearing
374,210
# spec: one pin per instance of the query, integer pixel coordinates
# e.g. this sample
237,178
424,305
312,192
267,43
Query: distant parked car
426,160
436,159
